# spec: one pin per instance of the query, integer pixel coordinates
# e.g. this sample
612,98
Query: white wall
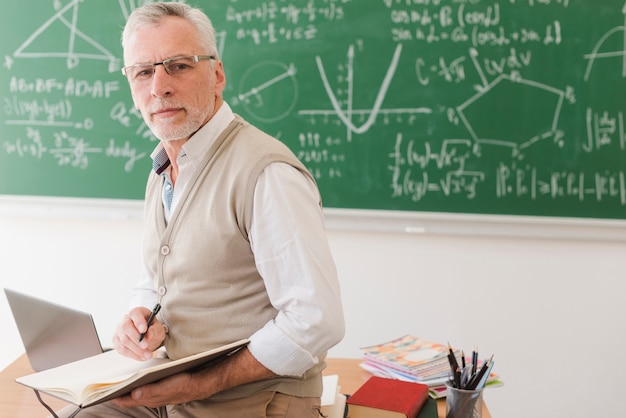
550,310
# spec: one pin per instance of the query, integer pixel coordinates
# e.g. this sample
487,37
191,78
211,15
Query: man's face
174,107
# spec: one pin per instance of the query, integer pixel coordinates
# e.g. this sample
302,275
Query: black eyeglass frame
164,63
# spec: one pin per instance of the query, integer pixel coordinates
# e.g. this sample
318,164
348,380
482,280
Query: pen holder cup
462,403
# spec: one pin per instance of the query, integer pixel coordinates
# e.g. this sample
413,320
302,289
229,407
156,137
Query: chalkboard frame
351,220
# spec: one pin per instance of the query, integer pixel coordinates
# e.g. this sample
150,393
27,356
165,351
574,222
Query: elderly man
234,245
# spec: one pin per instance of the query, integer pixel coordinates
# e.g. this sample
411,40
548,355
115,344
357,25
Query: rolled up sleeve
288,238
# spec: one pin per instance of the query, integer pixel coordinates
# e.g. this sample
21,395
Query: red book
387,398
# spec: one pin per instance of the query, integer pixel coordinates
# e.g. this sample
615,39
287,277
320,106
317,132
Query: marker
153,314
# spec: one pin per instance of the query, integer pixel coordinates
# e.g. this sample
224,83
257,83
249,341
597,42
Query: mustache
162,104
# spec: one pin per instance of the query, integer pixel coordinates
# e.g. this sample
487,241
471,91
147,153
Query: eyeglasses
175,66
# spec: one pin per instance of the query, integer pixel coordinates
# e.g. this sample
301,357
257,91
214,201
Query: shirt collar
160,160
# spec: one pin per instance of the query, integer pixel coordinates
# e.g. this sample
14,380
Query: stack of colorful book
413,359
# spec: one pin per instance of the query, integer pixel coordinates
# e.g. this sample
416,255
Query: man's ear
221,78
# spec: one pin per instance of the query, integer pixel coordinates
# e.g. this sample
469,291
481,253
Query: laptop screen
52,334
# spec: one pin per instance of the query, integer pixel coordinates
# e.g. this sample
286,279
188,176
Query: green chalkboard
512,107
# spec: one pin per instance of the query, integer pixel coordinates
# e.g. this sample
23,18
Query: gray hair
153,13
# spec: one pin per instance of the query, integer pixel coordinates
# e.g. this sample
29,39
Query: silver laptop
52,334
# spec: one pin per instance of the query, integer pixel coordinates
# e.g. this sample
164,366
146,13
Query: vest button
165,250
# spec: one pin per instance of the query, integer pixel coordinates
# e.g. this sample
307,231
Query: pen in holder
463,403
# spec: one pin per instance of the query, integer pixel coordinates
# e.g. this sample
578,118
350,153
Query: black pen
452,358
454,366
474,361
457,378
477,377
153,314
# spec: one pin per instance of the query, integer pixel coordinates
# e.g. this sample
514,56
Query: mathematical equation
461,22
45,108
579,185
273,22
413,179
69,150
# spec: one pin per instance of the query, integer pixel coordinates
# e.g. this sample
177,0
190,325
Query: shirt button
165,250
162,290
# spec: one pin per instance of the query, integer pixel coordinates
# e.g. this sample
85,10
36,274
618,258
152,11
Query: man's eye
145,73
178,67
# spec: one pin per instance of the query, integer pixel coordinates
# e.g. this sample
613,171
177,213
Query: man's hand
173,390
126,338
235,370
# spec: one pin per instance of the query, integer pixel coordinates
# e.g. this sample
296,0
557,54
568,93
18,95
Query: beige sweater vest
211,292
